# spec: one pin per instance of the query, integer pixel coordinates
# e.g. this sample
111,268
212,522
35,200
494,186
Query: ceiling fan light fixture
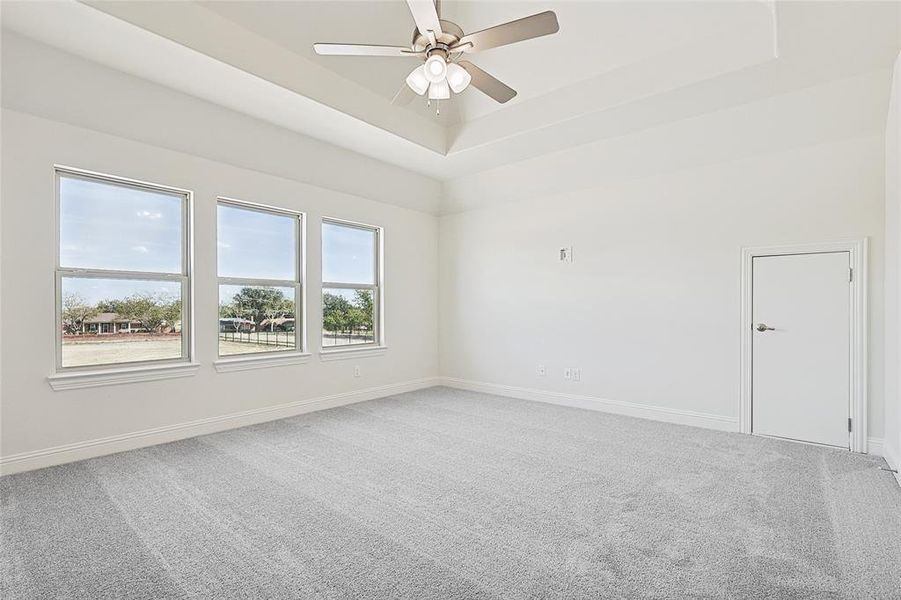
457,77
418,81
439,90
440,44
436,68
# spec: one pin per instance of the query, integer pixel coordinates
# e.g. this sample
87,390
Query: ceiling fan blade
362,50
426,16
488,84
509,33
403,96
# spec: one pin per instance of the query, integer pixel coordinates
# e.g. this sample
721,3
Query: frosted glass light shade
418,81
435,68
439,91
457,77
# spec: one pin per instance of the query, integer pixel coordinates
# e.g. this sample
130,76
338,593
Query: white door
801,347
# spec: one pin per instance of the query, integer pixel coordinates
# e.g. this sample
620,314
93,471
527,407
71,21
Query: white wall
892,446
35,419
649,310
42,80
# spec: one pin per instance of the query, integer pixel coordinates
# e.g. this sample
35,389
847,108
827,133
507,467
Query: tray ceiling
594,38
614,68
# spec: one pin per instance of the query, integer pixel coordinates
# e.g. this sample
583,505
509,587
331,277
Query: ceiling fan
441,44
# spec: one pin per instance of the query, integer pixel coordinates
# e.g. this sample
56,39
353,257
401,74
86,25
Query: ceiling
594,38
614,68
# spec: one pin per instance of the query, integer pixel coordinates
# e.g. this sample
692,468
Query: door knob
763,327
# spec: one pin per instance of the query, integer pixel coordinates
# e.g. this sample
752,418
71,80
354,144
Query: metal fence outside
284,339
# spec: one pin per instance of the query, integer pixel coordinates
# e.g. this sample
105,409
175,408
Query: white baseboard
46,457
632,409
892,456
875,446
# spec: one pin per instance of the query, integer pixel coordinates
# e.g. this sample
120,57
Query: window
122,272
259,279
351,293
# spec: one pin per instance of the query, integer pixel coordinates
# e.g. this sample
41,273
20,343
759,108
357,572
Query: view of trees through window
97,332
123,275
347,317
259,278
350,284
256,319
146,312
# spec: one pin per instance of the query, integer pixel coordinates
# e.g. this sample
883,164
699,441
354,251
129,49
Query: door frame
858,328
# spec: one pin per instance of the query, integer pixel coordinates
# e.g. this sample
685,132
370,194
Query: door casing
858,328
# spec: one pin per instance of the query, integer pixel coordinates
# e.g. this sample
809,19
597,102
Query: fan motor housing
450,35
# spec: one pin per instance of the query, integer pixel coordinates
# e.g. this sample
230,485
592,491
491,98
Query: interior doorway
803,343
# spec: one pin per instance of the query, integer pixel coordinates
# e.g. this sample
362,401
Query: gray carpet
450,494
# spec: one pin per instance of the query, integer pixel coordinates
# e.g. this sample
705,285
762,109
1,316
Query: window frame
298,283
184,278
378,288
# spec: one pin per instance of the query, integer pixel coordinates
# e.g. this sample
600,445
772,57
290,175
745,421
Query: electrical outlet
577,374
567,373
356,370
566,254
542,371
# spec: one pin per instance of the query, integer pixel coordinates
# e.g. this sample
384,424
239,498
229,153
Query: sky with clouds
104,226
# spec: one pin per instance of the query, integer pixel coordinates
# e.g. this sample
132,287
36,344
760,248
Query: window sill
350,353
245,363
88,379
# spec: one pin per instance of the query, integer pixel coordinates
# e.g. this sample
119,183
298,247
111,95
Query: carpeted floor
450,494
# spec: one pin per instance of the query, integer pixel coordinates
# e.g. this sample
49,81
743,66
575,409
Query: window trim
287,356
96,378
378,287
185,278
